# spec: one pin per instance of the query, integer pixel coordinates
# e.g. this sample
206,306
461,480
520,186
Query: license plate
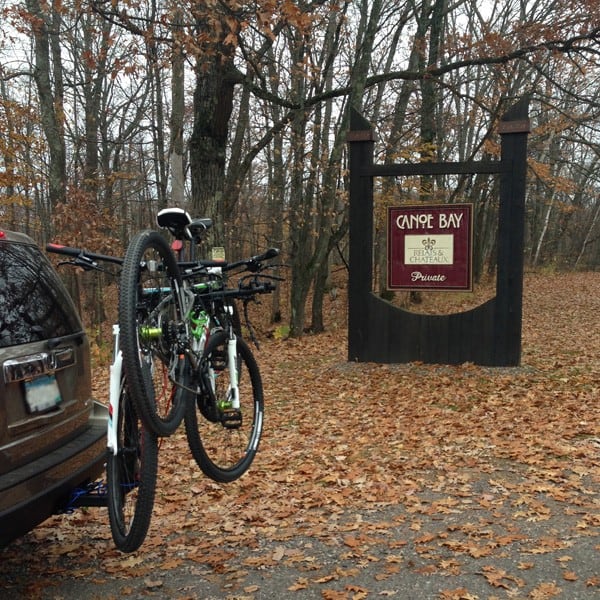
42,394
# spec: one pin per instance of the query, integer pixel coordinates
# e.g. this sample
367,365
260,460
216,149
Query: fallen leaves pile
370,475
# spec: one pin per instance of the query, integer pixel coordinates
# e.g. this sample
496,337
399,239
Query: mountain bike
178,322
224,424
132,448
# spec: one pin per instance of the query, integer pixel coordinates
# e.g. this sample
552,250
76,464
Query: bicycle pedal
231,418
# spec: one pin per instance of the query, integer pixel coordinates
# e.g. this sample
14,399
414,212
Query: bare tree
45,22
176,144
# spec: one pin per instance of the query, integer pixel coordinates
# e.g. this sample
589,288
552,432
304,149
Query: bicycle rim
131,477
150,323
223,441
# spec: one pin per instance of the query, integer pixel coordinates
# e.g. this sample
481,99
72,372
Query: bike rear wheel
131,476
223,440
151,324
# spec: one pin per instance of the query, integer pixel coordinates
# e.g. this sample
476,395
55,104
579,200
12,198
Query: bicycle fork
234,390
228,411
200,334
114,394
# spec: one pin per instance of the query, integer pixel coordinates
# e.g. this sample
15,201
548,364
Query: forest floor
401,481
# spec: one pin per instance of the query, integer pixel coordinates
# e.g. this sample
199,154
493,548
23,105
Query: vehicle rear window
34,305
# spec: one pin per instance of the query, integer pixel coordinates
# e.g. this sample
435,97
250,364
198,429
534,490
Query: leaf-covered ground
406,481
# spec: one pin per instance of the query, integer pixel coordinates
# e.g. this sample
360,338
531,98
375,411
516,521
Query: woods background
111,110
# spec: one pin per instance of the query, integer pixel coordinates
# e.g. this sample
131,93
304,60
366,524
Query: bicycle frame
199,328
198,321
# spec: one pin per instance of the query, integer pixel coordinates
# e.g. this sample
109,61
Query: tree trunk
300,231
430,91
47,61
236,173
176,147
158,146
213,105
275,201
393,149
586,239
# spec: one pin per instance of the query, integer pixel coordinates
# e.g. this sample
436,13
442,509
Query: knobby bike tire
222,451
131,476
150,321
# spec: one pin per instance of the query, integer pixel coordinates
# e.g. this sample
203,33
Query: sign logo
430,247
432,250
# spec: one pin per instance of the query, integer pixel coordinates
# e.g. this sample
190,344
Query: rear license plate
42,394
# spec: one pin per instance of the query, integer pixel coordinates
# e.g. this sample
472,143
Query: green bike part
199,323
150,333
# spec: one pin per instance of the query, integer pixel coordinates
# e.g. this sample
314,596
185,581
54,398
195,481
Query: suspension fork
116,369
234,390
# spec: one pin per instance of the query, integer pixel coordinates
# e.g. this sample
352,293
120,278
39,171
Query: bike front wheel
224,439
151,325
131,476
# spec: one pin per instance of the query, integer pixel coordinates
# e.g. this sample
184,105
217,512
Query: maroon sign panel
430,247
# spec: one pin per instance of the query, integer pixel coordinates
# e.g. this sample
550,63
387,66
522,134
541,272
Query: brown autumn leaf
425,538
352,542
171,563
333,595
300,584
500,579
544,591
357,591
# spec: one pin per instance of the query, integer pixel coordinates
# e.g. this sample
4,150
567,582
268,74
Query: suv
52,434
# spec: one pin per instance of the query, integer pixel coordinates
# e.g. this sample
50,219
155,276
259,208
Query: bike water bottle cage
181,225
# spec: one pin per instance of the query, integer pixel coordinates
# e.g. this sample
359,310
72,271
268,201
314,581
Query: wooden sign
430,247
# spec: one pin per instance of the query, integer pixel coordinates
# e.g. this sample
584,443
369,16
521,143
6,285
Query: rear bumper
34,492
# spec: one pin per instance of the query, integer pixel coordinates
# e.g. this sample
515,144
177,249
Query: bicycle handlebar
84,256
252,263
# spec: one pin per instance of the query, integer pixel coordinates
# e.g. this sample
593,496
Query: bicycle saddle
181,225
